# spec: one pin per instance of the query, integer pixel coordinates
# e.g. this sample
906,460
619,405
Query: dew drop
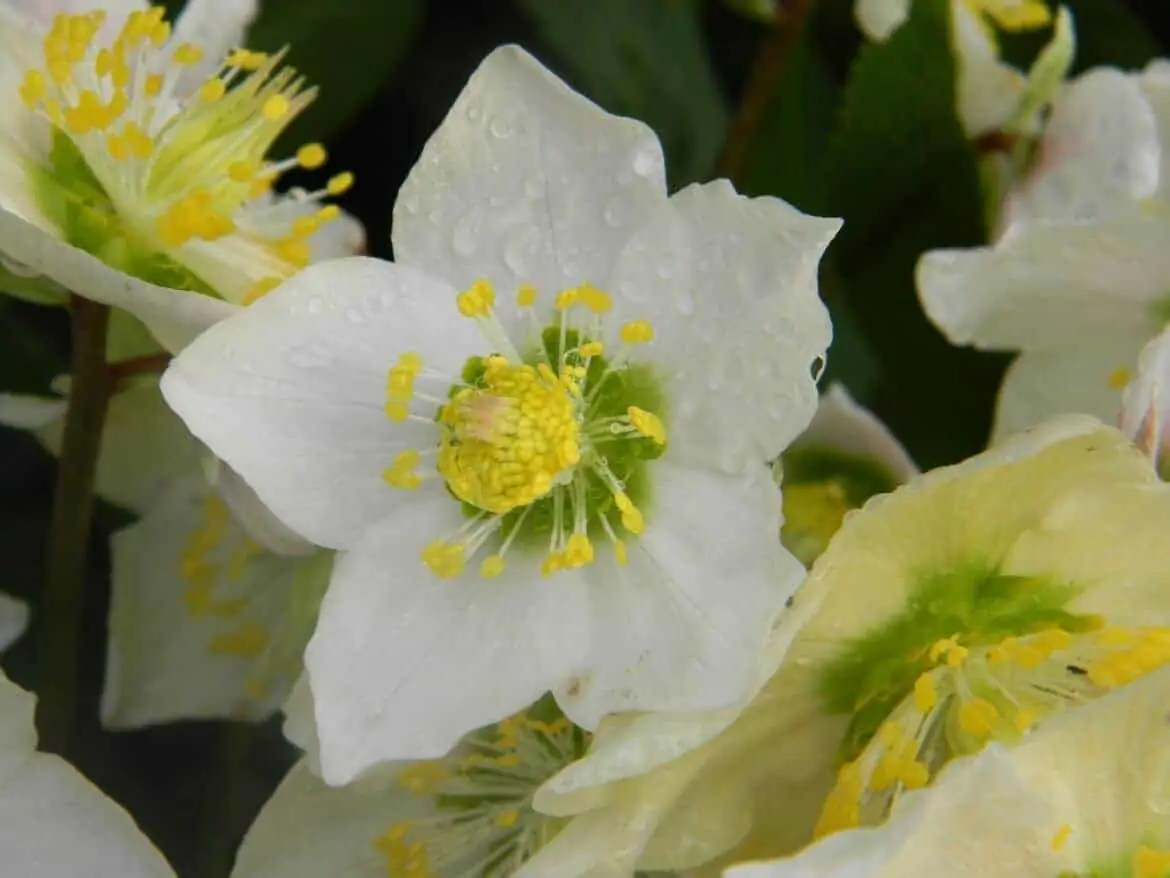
473,112
465,238
500,127
646,162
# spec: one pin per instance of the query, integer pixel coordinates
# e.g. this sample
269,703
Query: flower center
546,449
141,163
484,822
967,696
505,444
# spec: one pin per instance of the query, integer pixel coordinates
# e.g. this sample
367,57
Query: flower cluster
541,536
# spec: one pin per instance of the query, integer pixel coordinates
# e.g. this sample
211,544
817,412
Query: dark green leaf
347,48
646,59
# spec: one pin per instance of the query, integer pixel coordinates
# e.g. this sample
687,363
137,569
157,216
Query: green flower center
977,655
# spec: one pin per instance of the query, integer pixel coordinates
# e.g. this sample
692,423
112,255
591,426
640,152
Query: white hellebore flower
467,814
1078,279
133,165
554,479
205,621
1086,793
987,90
53,822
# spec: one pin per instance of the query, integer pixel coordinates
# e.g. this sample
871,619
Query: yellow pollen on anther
978,716
401,474
420,777
212,90
632,519
445,559
492,566
552,563
648,424
477,300
1060,838
592,349
619,553
1119,378
567,299
525,295
925,694
578,551
949,650
242,171
260,289
311,156
507,818
340,184
637,332
188,54
595,300
1151,863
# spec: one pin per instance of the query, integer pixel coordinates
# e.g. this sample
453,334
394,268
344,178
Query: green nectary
629,385
74,200
981,605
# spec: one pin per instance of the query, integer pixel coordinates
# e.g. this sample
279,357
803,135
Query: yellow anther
592,349
304,226
420,778
507,760
248,641
293,250
212,90
401,474
637,332
328,213
842,808
311,156
188,54
566,299
276,108
978,716
619,553
507,818
1023,720
1060,837
444,559
103,64
949,649
552,563
578,551
33,88
492,566
525,295
246,60
594,299
397,411
925,694
648,424
1014,15
1119,378
160,33
632,519
154,84
478,300
260,289
340,184
242,171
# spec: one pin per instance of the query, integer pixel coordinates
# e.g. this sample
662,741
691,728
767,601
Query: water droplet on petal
315,305
614,213
500,127
465,238
646,162
472,112
520,248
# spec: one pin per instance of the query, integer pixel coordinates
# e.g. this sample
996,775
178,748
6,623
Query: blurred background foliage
780,95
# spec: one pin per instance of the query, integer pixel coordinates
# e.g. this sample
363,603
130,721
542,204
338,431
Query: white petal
222,641
30,412
730,285
683,625
13,620
175,317
53,822
843,425
1155,81
600,844
309,830
880,18
251,513
526,181
217,27
300,722
1145,413
1049,285
987,90
291,393
1084,379
403,664
1099,156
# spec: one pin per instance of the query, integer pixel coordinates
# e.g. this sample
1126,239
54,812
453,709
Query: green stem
63,597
